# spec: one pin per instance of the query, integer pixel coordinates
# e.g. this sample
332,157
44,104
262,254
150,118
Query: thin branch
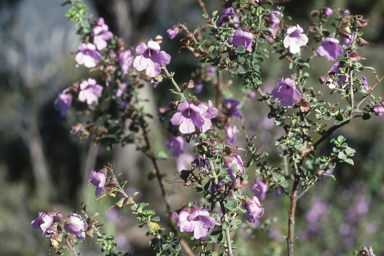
291,221
202,5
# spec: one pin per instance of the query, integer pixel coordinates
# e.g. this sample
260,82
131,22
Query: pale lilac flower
188,116
317,211
231,107
252,95
76,225
364,83
211,69
235,161
243,38
286,92
126,60
43,221
101,34
176,143
330,48
295,39
208,113
87,55
194,220
227,15
89,91
259,189
328,11
120,90
273,19
98,179
370,250
198,87
150,58
254,209
378,109
231,134
183,162
63,102
172,32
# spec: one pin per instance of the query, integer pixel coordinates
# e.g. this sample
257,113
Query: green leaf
240,49
349,161
231,205
205,16
162,155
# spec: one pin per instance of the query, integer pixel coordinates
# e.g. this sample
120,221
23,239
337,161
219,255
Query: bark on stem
291,219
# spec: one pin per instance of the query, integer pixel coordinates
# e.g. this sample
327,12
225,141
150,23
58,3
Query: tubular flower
273,19
150,58
194,220
243,38
286,92
76,225
87,55
254,209
126,60
176,143
330,48
63,102
98,179
43,221
89,91
295,39
101,34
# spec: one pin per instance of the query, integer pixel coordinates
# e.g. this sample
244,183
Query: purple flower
89,91
198,87
330,48
286,92
76,225
211,69
328,11
347,38
252,95
126,60
150,58
189,115
120,90
364,83
172,32
87,55
197,221
243,38
101,34
208,112
232,108
254,209
63,102
316,212
378,109
295,39
259,188
339,79
273,18
228,15
176,143
43,221
235,161
98,179
231,134
201,162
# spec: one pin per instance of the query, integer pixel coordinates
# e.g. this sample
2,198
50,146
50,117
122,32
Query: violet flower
378,109
43,221
198,87
120,90
243,38
194,220
76,225
339,79
295,39
150,58
89,91
286,92
228,15
98,179
208,113
172,32
330,48
259,189
364,83
328,11
201,163
101,34
188,116
87,55
273,19
126,60
254,209
63,102
231,134
183,162
232,108
176,143
235,161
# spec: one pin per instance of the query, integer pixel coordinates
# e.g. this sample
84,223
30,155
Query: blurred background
43,167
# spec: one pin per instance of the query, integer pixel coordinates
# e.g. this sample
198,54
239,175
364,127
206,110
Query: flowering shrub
234,43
